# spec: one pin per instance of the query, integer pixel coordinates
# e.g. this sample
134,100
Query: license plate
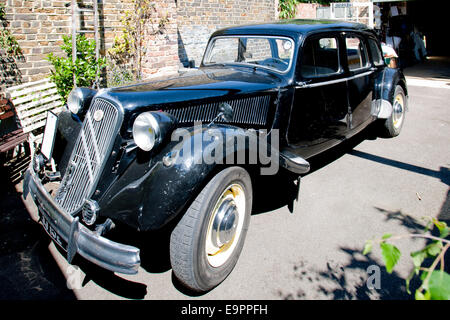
49,135
51,231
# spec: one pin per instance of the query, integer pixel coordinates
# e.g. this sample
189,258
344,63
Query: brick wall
198,19
161,55
306,10
39,25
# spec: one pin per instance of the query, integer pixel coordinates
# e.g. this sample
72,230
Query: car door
319,113
360,80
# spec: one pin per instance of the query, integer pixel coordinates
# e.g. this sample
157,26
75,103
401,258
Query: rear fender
391,78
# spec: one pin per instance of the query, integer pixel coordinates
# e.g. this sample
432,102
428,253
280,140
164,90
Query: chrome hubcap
225,225
398,111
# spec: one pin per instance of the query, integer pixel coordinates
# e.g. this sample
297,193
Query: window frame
319,36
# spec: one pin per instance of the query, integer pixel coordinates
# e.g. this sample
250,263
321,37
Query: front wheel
207,241
393,125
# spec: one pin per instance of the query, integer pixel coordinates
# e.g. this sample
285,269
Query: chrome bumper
110,255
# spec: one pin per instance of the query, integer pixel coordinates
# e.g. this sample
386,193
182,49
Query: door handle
303,84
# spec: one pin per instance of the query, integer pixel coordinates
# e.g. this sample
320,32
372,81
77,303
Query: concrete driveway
311,251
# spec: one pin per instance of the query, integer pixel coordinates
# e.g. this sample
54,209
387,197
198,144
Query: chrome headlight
146,131
75,101
79,99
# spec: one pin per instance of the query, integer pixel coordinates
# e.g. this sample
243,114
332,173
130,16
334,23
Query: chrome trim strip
302,85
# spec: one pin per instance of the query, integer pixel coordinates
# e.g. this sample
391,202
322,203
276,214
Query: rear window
356,53
377,57
320,57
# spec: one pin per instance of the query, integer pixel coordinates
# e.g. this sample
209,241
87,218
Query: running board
293,162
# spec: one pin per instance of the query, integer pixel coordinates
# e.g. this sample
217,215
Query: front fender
152,192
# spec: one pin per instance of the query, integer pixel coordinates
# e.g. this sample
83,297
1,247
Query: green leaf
390,254
443,228
418,257
386,236
408,280
368,247
422,296
439,285
434,249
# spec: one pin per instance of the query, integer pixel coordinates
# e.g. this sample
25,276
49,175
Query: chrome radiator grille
85,165
252,111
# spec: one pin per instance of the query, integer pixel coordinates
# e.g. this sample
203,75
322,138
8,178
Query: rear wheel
206,243
393,125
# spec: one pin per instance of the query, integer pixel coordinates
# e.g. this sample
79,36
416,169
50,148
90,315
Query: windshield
263,51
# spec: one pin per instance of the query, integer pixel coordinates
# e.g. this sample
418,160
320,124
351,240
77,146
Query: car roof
292,27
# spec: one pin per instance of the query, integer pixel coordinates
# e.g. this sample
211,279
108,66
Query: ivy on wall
129,47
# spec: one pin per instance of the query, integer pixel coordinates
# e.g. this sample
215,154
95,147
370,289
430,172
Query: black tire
394,124
188,255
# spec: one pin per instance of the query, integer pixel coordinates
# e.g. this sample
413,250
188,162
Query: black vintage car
184,150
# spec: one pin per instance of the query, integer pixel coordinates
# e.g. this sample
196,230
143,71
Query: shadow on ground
346,281
353,280
27,268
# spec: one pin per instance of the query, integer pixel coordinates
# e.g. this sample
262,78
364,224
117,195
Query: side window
356,53
320,57
377,57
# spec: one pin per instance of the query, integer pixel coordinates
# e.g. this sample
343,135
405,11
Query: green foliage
288,8
84,69
118,75
435,284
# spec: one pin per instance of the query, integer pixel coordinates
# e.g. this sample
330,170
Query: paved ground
314,252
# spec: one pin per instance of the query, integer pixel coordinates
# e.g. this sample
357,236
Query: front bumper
110,255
